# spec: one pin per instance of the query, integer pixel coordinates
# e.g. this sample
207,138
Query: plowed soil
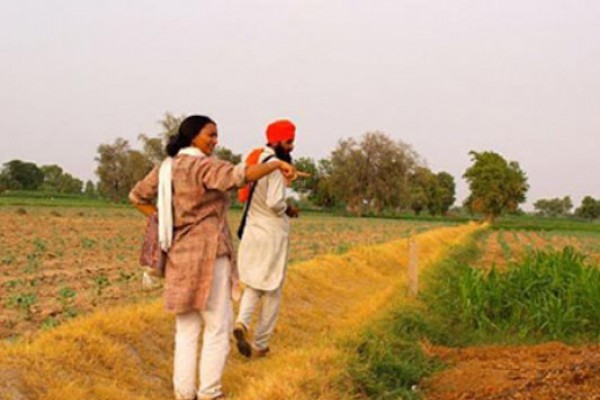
546,371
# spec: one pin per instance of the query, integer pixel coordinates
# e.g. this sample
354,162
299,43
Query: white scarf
165,201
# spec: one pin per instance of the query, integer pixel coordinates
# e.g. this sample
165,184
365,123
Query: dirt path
546,371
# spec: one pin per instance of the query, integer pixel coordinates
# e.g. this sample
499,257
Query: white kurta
263,251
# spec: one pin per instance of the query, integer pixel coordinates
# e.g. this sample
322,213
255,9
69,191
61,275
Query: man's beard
282,154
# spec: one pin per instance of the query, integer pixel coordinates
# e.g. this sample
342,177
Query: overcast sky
520,77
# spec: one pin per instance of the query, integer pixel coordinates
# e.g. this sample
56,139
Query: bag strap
240,230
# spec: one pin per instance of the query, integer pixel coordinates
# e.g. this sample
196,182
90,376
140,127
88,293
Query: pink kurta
200,227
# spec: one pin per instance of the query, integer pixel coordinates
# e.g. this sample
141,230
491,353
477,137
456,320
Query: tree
372,174
22,175
553,207
423,191
4,182
223,153
119,168
418,199
55,179
112,161
447,191
137,166
306,186
434,192
170,125
52,176
348,175
496,185
90,189
589,209
70,184
154,147
317,187
322,193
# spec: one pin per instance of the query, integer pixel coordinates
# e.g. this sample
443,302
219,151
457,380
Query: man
263,251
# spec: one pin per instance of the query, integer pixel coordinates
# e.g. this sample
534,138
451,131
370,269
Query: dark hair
188,130
281,153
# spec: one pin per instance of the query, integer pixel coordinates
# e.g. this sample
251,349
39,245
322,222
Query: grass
389,361
27,198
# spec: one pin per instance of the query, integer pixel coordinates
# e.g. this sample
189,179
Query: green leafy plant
23,302
33,263
8,259
40,245
101,282
88,243
66,295
13,283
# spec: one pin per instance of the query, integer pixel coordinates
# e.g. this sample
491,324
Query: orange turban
280,131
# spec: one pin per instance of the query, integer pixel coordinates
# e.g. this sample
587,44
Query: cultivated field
58,263
500,247
348,329
552,369
126,351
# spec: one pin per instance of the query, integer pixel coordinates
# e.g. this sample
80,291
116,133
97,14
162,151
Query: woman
200,271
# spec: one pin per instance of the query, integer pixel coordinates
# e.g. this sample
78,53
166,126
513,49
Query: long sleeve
222,175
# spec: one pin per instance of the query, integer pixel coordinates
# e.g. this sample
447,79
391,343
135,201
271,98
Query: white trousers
269,310
218,324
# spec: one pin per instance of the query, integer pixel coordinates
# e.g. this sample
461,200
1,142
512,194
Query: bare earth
547,371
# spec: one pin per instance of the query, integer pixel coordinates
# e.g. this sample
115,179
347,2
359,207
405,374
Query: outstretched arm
255,172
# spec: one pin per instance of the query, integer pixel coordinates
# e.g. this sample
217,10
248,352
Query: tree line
374,175
557,207
371,175
24,175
